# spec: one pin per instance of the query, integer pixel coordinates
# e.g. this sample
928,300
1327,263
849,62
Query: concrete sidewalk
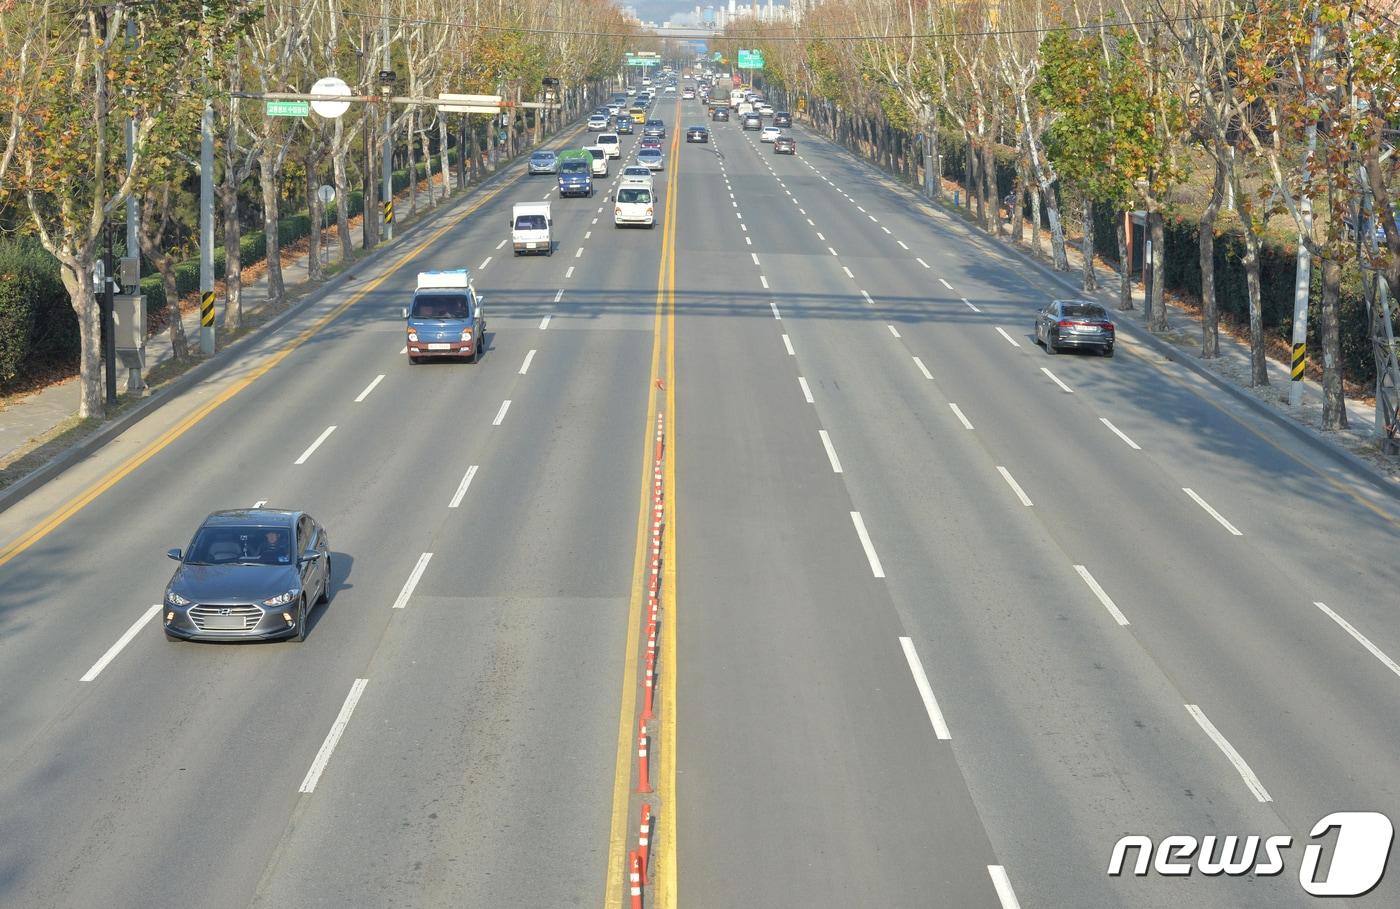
26,420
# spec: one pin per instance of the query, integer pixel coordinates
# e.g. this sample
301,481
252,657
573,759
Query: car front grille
226,618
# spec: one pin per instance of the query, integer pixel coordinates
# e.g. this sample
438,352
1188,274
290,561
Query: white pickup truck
530,226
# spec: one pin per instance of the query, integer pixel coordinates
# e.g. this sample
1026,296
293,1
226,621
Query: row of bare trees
1292,107
72,76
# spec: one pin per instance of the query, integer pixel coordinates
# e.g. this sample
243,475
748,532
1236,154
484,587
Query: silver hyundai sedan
249,575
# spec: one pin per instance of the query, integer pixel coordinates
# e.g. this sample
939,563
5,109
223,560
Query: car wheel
1050,344
173,637
414,361
301,622
1108,351
325,596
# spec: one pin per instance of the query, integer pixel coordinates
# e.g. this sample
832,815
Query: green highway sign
750,59
288,108
635,60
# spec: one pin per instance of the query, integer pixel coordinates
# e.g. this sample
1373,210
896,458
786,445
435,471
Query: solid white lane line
1056,380
830,451
894,331
1015,487
806,390
525,367
260,503
1010,340
484,262
412,581
755,257
369,388
1119,433
1002,883
501,414
935,716
308,783
1212,512
1103,596
1360,639
957,411
876,568
830,250
847,271
901,245
462,487
921,262
922,368
772,304
969,305
787,342
1224,745
314,445
868,301
764,279
578,252
570,272
122,641
945,283
559,296
544,323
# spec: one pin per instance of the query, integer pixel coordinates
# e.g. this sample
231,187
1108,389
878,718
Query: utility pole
1302,284
206,217
133,243
386,76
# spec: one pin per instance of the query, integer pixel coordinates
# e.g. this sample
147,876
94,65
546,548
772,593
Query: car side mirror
404,311
175,554
310,555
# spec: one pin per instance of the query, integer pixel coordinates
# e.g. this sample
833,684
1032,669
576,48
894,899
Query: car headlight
174,599
413,335
466,334
282,598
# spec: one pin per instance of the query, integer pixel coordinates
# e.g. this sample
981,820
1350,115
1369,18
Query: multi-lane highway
947,617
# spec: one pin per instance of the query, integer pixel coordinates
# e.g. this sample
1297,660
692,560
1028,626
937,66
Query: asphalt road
881,479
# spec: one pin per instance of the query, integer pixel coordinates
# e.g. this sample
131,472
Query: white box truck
530,224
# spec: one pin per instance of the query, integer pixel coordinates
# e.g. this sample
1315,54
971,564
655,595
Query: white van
633,205
610,143
600,159
530,224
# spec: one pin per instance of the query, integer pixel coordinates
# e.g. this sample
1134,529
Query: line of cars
751,108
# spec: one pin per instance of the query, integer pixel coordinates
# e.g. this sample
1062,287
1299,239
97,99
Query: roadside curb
206,369
1318,443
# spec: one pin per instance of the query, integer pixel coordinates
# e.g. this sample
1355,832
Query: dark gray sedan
1074,323
249,575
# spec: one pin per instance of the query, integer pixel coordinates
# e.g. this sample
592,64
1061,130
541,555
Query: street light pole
388,167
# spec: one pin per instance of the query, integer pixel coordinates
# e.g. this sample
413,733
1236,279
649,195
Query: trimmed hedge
37,322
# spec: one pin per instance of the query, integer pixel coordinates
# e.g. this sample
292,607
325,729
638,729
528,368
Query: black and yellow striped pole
206,309
388,215
1300,357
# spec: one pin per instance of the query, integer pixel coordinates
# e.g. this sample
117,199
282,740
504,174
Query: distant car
720,114
654,127
785,145
636,175
631,89
610,144
670,89
752,121
598,122
624,126
765,109
544,162
649,142
650,158
769,134
697,134
782,118
251,574
600,159
633,205
688,94
1074,323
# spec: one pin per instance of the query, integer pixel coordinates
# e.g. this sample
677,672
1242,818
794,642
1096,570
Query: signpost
750,59
288,108
329,86
642,60
468,104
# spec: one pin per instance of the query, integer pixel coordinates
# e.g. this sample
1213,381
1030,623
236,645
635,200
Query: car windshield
607,140
222,545
574,165
596,153
543,156
636,172
649,153
1084,311
634,196
441,306
529,222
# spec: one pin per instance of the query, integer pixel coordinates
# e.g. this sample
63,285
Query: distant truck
575,173
530,228
445,318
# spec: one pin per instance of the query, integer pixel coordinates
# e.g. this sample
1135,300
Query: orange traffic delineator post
634,873
643,775
649,686
644,838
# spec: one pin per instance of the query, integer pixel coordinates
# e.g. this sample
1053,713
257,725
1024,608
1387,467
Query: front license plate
529,246
439,346
224,623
